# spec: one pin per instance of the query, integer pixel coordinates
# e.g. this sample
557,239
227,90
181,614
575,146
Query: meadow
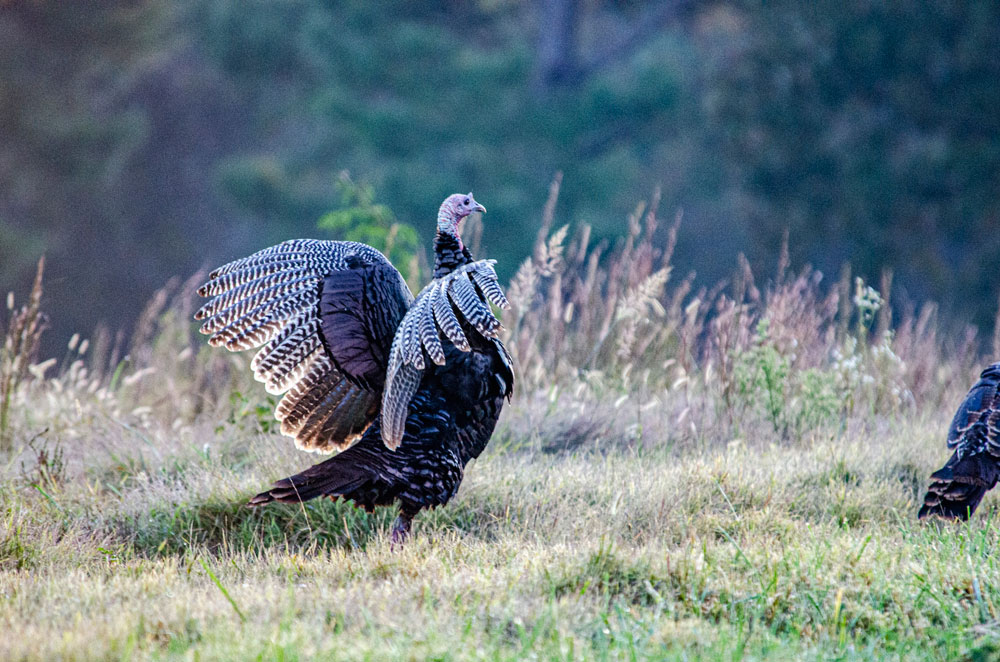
730,473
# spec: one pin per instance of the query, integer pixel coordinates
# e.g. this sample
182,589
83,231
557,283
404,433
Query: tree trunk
556,62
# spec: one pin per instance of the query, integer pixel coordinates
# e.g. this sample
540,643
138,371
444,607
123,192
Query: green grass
680,476
749,550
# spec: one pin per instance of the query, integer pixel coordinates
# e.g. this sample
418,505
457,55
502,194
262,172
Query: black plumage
973,469
449,253
451,418
408,389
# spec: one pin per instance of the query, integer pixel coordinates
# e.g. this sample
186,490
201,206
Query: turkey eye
466,201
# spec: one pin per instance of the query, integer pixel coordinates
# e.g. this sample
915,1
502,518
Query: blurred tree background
141,140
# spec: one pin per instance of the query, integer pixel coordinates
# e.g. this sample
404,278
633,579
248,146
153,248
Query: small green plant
761,375
258,412
49,467
866,365
16,551
792,400
362,219
819,400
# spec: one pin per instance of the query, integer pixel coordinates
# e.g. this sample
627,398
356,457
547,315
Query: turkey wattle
408,390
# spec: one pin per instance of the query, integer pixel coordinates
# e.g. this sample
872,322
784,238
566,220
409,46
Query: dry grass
727,474
20,338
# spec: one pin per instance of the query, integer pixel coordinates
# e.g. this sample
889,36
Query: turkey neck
449,254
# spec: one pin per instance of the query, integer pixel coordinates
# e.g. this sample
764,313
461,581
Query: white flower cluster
868,301
878,372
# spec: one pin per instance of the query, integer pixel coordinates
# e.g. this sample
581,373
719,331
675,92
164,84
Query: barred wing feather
974,468
466,292
323,314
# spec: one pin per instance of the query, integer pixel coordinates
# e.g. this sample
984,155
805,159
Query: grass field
682,475
807,550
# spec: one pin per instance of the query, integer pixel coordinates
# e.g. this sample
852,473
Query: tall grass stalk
794,352
21,336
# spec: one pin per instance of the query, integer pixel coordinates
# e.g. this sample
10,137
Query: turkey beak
481,209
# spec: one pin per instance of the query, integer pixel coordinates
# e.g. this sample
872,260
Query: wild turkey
974,467
409,390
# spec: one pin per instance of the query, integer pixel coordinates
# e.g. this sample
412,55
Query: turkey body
974,467
450,419
407,390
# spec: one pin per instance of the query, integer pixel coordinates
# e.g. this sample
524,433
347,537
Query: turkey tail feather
332,478
973,469
959,486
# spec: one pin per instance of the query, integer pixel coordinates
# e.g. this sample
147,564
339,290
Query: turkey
408,390
959,486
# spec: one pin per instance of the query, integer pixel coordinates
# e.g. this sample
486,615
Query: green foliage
821,400
791,400
868,131
200,130
252,410
797,389
360,218
423,102
761,375
15,552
